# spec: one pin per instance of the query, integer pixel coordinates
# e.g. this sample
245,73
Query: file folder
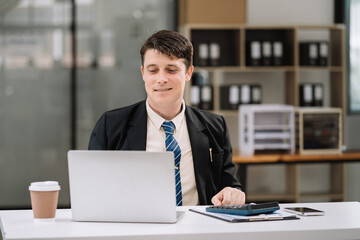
276,216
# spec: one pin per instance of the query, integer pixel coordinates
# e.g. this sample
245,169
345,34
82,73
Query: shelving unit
234,60
234,38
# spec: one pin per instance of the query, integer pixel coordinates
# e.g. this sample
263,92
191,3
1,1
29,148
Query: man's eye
152,70
172,70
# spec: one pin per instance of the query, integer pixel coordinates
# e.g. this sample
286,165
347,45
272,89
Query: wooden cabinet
280,83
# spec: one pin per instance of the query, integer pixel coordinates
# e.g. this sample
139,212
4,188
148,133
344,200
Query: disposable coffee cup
44,199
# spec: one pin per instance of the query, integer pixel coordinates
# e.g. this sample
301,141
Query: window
353,10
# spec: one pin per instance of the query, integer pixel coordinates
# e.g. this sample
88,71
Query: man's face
164,79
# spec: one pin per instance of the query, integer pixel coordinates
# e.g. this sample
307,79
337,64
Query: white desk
341,221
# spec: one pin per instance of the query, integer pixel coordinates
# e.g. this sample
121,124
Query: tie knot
169,127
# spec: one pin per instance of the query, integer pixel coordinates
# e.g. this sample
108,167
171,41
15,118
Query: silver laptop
122,186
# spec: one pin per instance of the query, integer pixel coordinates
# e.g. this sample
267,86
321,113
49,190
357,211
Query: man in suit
201,138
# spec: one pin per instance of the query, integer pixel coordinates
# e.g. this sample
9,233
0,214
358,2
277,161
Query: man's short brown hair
171,43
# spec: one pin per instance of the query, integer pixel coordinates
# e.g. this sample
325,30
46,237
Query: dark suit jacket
126,128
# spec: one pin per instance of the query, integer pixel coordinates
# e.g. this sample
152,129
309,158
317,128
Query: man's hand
229,196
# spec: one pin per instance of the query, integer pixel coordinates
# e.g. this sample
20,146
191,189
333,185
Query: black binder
207,99
323,53
245,94
306,95
203,54
195,96
309,53
266,52
318,95
215,54
277,49
256,94
254,53
230,97
234,97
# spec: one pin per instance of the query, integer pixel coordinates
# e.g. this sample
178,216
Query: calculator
245,209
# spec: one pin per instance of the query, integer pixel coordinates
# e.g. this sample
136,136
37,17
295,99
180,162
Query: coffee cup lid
44,186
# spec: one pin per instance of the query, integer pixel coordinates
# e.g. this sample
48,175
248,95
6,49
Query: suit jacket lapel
138,128
200,151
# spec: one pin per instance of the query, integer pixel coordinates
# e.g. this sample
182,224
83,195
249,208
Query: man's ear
189,73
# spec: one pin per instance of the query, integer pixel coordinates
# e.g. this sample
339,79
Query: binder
313,54
256,94
323,53
255,53
206,102
277,53
266,51
203,54
245,95
224,98
309,53
306,95
234,97
318,94
276,216
195,96
215,54
230,97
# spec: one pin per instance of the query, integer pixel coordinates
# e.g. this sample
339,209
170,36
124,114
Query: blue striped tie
173,146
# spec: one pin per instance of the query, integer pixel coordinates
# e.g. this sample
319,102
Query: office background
35,84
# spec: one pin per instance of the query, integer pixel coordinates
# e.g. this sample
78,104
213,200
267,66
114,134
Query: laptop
122,186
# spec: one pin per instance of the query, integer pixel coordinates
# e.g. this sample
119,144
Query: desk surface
289,158
341,221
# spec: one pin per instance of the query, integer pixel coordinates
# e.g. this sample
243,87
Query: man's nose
162,78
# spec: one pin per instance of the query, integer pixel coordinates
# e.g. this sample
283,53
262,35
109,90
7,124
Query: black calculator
245,209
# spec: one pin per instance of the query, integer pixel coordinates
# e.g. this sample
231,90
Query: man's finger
216,199
226,192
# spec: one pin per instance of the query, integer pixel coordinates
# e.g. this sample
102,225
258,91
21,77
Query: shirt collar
158,120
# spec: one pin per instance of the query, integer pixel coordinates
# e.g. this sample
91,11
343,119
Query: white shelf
271,127
272,146
272,135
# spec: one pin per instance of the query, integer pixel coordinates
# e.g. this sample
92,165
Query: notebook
122,186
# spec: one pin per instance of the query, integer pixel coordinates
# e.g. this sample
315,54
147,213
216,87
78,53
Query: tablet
305,211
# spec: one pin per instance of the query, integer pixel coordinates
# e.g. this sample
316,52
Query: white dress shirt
155,142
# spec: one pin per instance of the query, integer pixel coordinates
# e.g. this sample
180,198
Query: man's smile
162,89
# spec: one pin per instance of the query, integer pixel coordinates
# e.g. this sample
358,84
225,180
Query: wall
290,12
286,12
